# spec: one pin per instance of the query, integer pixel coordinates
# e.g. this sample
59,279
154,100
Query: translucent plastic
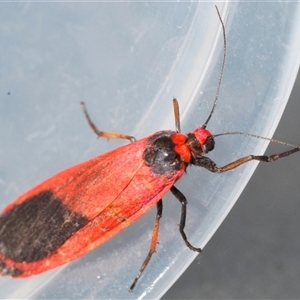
127,61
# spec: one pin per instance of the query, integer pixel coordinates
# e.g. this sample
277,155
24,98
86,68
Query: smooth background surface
255,253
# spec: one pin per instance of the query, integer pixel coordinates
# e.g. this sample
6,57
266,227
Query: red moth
82,207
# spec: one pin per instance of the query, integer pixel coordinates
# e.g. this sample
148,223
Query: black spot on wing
33,229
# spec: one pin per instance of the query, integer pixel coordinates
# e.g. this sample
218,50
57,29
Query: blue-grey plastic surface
127,61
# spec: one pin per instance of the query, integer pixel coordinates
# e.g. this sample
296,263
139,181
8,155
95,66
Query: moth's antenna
221,73
257,137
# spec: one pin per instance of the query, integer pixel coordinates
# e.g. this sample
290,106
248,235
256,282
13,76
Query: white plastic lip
174,50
